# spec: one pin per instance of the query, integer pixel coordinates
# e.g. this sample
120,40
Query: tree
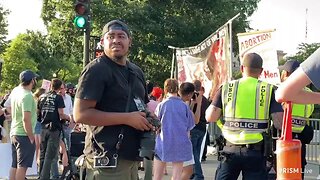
33,51
155,25
305,50
3,28
16,59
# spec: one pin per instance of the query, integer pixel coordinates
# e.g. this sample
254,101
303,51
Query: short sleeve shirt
58,104
173,143
22,101
311,66
107,83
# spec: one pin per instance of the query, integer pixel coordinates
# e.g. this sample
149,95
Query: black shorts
22,151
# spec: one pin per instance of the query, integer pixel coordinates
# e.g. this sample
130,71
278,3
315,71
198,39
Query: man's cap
27,75
252,60
116,25
290,66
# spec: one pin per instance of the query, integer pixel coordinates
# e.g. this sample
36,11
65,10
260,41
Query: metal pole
86,36
231,49
172,64
86,46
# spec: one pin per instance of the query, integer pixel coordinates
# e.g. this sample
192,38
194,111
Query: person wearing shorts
23,110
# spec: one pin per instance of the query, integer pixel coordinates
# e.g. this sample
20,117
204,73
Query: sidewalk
210,165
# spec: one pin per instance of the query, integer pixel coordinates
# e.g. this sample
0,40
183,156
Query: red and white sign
262,43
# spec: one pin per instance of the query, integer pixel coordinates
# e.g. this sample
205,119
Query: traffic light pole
86,50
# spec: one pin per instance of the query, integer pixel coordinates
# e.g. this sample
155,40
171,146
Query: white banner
262,43
209,59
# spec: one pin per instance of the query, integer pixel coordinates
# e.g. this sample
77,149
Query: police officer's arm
85,112
277,119
276,112
214,111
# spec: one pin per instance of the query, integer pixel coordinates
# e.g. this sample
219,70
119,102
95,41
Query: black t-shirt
106,82
47,113
202,122
274,105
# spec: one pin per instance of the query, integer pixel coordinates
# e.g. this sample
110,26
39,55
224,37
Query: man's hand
138,121
31,138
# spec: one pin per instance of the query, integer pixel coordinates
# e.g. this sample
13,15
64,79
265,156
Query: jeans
48,151
196,140
55,165
250,162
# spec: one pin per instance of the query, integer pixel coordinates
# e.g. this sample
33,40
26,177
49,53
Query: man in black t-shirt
50,107
101,102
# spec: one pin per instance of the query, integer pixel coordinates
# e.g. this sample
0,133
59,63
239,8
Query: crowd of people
36,126
115,103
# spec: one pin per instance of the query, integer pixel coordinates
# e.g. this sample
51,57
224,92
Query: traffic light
82,9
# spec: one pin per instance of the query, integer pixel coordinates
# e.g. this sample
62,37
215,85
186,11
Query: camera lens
104,161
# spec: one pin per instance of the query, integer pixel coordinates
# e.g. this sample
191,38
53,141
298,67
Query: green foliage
34,51
305,50
154,24
16,59
3,28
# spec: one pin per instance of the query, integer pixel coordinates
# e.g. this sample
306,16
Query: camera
147,141
65,122
195,95
104,162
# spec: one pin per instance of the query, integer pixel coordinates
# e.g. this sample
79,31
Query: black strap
131,79
130,82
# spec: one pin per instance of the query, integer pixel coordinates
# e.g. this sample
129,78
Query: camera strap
121,135
131,79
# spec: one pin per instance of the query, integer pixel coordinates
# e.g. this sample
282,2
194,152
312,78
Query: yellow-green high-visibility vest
300,115
246,105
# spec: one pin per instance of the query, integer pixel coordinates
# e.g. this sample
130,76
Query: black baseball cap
27,75
116,25
252,60
290,66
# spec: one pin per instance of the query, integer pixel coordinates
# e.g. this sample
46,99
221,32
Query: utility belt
236,147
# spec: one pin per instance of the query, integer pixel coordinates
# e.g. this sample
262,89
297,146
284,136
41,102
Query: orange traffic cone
288,150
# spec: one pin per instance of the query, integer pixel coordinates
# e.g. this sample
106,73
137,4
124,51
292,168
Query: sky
288,17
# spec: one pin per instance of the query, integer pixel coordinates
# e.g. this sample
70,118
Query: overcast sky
288,17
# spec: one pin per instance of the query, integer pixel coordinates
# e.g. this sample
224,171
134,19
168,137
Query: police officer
245,106
301,128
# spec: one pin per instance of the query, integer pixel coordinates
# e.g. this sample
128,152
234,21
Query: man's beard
118,58
34,85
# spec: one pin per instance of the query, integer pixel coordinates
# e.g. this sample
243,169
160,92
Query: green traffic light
80,22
